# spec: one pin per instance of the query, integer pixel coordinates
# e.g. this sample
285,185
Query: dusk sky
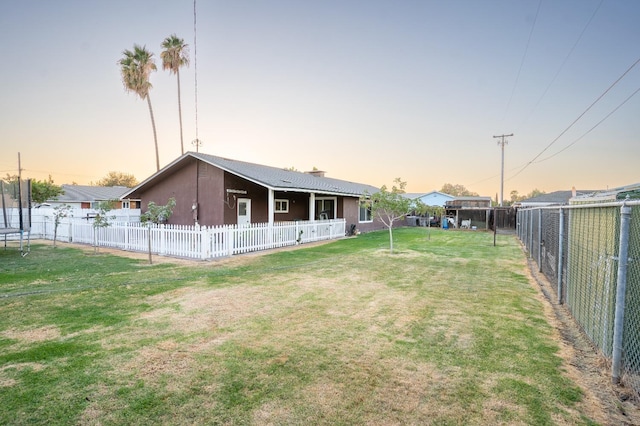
365,90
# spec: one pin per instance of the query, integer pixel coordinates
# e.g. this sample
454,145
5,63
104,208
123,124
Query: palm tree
135,67
174,56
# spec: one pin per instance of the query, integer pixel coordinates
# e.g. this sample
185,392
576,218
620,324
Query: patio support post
621,290
312,206
271,201
271,196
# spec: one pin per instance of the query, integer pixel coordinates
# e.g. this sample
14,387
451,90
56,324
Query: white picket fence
194,242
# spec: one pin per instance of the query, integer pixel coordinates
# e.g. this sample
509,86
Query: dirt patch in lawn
31,336
195,310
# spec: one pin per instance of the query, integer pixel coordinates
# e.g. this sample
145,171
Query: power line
562,65
593,128
577,119
572,143
526,49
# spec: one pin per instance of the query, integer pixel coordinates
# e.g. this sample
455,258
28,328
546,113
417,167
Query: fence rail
591,256
194,242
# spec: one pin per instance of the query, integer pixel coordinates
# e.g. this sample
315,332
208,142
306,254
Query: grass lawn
443,331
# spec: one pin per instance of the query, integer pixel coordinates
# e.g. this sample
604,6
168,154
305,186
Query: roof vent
316,173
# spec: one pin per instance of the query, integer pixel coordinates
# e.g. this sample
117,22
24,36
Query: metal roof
620,193
556,197
272,177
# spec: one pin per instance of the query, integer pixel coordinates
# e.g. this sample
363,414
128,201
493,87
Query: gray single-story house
88,197
214,191
433,198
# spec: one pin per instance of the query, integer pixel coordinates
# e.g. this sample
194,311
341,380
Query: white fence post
163,243
229,240
205,242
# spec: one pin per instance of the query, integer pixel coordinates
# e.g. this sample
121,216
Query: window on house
282,206
326,208
365,212
126,204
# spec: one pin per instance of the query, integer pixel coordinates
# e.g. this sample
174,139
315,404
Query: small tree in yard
101,220
389,206
59,213
156,214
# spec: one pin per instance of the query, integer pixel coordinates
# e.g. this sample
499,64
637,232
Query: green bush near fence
447,330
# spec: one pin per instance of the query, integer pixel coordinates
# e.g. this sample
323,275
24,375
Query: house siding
256,193
160,193
193,179
211,201
298,206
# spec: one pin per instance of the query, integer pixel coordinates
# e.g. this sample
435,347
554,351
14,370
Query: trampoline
15,222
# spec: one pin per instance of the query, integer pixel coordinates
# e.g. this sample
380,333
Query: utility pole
502,143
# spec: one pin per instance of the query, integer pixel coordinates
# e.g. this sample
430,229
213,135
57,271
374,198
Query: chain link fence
631,342
578,250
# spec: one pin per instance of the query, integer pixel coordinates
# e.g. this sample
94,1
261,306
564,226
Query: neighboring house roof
86,193
412,195
552,198
469,198
631,191
271,177
416,195
433,198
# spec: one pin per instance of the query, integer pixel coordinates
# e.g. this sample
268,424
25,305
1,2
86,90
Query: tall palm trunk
155,135
180,112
